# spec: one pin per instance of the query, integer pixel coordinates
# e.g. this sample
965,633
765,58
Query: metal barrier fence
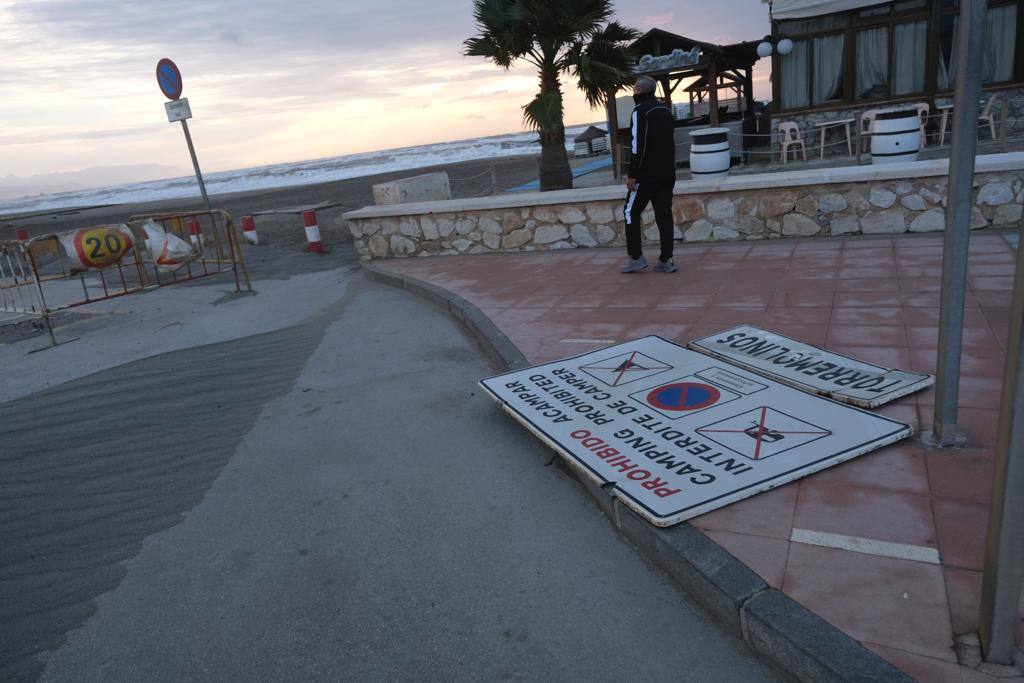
39,277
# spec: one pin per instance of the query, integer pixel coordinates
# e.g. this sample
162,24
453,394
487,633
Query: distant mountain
12,186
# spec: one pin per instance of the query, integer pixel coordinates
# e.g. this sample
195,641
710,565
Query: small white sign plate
811,368
678,433
178,110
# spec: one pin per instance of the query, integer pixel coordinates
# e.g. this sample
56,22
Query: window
828,68
901,49
910,5
909,42
880,11
1000,48
826,22
946,75
794,76
872,62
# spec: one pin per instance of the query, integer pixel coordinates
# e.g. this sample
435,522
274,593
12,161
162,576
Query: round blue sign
684,396
169,78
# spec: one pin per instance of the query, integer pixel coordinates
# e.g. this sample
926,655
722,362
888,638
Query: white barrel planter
709,153
895,136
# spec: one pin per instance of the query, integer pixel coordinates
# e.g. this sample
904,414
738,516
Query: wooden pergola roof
658,42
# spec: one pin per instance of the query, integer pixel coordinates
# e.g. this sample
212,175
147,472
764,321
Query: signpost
811,368
676,433
168,77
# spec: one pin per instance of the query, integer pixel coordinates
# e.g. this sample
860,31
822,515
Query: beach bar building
851,59
704,84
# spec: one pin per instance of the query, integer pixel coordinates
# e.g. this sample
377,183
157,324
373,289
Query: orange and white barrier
249,230
312,232
195,233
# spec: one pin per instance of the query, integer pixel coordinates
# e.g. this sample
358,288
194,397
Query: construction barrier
249,230
312,232
56,272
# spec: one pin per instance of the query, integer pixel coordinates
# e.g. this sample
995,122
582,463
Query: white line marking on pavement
868,546
589,341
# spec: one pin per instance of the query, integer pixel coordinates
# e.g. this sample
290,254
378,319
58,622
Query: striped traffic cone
312,232
249,230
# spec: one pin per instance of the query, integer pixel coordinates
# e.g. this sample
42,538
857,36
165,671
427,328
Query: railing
51,273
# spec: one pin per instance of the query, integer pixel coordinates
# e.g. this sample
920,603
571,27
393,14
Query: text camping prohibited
678,445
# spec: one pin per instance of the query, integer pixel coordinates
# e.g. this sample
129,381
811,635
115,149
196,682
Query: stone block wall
878,207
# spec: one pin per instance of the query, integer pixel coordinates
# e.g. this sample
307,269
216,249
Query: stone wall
835,137
701,212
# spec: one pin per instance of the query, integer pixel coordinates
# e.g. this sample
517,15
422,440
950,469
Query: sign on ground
811,368
679,433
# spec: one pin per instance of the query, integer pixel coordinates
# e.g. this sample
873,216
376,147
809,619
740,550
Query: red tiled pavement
872,298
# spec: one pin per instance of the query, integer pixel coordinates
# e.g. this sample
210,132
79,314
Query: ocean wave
292,174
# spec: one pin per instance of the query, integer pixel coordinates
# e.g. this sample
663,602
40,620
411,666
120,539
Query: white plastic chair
986,115
789,136
922,111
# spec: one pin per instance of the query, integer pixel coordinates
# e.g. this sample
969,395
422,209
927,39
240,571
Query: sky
271,81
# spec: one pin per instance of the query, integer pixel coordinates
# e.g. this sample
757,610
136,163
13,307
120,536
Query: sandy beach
468,179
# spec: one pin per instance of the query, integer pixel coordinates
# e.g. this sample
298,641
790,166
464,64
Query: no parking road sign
168,77
677,433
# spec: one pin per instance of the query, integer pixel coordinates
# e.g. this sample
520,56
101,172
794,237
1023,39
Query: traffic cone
312,232
195,232
249,230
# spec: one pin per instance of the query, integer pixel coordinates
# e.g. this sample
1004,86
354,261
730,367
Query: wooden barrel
895,136
709,152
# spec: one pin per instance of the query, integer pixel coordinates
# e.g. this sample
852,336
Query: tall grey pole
195,165
1004,550
958,219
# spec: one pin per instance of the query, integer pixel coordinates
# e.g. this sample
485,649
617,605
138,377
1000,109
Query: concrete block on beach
422,188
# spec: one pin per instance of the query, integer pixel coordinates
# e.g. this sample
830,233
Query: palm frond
545,111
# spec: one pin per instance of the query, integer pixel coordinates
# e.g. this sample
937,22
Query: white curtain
872,61
794,91
1000,31
828,67
908,46
947,71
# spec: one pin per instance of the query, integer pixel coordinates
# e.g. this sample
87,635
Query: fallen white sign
678,433
811,368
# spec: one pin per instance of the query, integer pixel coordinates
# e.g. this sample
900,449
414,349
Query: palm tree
575,37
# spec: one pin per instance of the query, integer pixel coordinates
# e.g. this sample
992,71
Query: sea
292,174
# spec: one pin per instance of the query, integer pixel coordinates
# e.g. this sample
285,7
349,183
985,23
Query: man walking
652,176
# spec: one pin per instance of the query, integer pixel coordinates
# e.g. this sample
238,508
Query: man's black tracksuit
653,165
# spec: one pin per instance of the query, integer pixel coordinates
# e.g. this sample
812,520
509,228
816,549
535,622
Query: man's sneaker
665,266
633,265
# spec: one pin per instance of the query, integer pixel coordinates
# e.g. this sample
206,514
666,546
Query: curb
788,635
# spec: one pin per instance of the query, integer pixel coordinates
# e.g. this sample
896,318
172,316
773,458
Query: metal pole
195,165
1004,550
958,220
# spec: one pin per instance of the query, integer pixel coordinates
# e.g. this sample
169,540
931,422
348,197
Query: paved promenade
875,298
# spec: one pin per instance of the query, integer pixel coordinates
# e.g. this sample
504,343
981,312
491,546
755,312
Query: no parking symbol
684,396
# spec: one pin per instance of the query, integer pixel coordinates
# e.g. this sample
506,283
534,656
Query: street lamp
780,43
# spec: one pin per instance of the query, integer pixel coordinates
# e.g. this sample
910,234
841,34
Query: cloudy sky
272,81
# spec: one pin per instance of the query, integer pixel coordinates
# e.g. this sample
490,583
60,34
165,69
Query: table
825,125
